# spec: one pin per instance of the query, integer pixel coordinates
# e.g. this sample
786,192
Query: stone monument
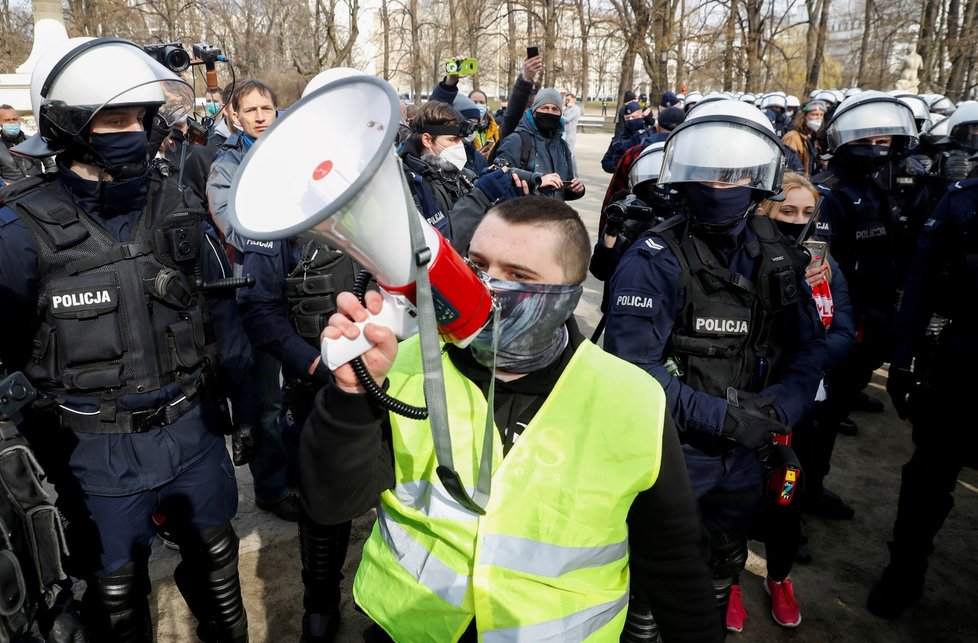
911,64
49,29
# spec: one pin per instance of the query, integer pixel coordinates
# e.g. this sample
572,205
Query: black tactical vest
311,288
118,318
721,337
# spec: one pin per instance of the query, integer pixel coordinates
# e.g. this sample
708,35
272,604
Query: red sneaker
736,614
784,608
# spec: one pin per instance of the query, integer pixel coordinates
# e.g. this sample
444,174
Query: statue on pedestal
911,64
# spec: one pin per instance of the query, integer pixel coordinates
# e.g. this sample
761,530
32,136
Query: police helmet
917,105
774,99
327,76
871,113
647,166
77,78
725,141
826,96
691,99
852,91
962,126
939,104
748,98
792,101
937,129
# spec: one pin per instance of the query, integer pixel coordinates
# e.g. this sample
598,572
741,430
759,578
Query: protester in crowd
802,137
615,475
572,114
486,130
14,167
537,146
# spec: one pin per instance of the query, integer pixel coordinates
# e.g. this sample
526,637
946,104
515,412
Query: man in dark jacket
12,166
537,146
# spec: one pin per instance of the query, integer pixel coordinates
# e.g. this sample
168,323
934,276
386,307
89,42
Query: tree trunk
728,54
818,54
863,73
928,39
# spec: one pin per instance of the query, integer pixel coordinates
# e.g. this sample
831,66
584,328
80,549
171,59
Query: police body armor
311,288
721,337
118,318
869,246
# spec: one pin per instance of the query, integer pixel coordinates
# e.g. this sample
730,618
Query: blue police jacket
264,307
646,299
122,464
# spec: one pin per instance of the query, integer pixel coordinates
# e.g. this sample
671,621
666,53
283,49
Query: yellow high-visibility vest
549,560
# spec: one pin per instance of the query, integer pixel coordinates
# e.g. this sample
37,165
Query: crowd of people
762,257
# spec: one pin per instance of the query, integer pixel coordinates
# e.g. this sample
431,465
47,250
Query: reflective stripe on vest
546,559
421,564
549,560
570,629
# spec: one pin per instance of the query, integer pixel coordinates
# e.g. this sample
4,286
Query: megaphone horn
327,167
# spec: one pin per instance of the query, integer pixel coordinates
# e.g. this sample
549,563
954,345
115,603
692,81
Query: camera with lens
533,179
783,287
207,54
171,55
629,217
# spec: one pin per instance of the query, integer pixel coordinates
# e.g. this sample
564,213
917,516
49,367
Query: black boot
116,608
323,550
900,586
640,625
208,579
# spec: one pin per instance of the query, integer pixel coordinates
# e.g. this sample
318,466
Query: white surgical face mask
813,124
455,155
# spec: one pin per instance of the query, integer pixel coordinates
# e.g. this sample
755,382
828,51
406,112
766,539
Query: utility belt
111,420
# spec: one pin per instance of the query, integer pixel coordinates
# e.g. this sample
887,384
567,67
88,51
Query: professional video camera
171,55
630,217
207,54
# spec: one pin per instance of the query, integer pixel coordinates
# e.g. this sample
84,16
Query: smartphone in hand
818,250
532,52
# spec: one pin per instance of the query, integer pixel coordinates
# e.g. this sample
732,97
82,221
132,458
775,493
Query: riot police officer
111,272
859,218
935,401
715,307
296,284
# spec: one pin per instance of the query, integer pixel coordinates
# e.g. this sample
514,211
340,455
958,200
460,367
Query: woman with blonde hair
812,441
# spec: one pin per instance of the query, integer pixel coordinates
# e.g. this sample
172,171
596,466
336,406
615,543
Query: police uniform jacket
122,463
647,297
943,278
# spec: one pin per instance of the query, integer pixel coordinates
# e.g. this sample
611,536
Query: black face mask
546,123
718,209
864,158
124,154
792,230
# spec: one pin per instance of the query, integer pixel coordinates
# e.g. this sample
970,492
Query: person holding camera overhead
537,145
715,306
102,265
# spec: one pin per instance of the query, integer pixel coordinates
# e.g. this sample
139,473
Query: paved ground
831,591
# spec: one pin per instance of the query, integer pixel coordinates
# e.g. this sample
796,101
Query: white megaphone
327,167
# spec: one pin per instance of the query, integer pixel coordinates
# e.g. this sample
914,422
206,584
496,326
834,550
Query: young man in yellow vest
588,481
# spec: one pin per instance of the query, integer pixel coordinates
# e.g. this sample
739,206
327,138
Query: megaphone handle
397,314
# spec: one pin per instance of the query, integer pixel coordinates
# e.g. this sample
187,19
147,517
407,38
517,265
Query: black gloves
900,384
245,443
751,420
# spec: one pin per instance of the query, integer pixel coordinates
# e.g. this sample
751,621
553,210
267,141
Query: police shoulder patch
651,246
635,302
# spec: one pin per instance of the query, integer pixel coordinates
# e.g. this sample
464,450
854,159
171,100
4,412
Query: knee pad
116,605
323,552
728,555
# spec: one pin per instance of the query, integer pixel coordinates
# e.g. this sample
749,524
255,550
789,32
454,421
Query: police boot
323,550
208,579
900,586
116,607
640,625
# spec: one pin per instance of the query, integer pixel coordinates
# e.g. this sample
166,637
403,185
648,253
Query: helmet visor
646,167
966,135
722,152
877,118
159,90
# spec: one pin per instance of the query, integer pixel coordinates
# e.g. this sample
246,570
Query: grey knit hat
545,96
